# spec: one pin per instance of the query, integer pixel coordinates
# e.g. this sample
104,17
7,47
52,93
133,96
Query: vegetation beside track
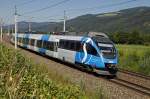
20,78
135,58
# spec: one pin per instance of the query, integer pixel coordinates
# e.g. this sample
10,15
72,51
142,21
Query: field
22,79
135,58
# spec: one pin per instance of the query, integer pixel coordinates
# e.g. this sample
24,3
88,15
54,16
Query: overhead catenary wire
34,17
51,6
25,3
91,8
104,6
72,10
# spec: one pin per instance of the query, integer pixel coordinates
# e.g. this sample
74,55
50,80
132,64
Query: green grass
135,58
22,79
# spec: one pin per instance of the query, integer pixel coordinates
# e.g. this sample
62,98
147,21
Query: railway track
130,85
134,74
133,86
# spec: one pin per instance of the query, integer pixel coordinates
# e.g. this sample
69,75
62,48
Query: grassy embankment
21,78
135,58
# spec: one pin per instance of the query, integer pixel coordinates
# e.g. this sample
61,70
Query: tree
134,38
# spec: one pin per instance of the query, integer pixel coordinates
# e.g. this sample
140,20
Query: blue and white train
94,51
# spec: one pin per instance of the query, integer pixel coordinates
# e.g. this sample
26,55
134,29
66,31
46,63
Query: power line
24,3
25,16
91,8
72,10
54,5
98,7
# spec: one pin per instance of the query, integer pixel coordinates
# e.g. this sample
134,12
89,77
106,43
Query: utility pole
12,30
64,29
64,21
1,23
16,28
30,24
8,30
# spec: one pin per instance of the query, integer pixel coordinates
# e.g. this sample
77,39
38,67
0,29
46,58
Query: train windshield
106,47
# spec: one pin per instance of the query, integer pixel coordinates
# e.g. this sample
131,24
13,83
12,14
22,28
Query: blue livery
96,51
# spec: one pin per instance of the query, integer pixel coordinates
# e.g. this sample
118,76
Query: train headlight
109,65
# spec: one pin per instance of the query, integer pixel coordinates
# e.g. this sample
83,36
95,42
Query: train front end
108,56
98,53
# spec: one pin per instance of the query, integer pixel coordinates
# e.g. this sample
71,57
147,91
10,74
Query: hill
124,20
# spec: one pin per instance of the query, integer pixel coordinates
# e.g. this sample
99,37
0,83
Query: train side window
62,44
29,42
39,43
32,42
48,45
65,44
72,45
23,40
20,40
26,40
78,46
45,45
51,46
91,49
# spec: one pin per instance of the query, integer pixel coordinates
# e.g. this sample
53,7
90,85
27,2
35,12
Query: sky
53,10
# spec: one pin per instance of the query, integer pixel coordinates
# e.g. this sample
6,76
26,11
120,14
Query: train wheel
111,76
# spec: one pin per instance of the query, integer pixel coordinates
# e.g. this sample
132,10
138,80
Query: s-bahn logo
85,57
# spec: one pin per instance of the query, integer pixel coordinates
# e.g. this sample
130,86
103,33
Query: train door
56,48
66,50
35,46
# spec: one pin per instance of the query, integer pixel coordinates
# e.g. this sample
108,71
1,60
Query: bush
19,78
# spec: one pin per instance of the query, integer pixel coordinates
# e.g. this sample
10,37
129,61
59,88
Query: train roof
50,36
53,36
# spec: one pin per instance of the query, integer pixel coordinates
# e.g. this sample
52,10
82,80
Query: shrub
19,78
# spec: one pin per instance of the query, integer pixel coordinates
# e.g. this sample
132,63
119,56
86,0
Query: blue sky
96,6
